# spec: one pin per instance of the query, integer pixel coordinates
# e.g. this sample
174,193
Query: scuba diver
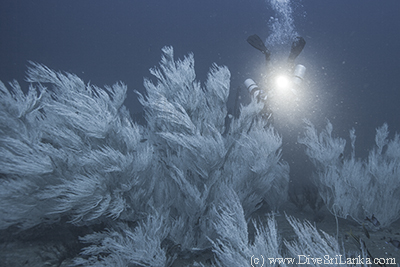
298,72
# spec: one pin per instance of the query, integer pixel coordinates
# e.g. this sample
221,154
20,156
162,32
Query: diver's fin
297,46
255,41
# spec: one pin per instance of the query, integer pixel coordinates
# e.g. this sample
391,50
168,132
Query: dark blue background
352,53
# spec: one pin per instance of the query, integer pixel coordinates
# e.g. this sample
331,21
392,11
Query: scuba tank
254,90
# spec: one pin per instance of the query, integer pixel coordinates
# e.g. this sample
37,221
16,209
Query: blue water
352,53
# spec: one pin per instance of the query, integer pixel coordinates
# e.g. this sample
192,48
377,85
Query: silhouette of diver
262,95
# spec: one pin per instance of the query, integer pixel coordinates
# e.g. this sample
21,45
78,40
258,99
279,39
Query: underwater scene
199,133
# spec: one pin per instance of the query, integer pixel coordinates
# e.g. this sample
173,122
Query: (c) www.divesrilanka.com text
259,261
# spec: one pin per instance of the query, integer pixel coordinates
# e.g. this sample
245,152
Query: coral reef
184,184
355,187
69,151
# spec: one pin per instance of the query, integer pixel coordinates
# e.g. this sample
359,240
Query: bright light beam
282,82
